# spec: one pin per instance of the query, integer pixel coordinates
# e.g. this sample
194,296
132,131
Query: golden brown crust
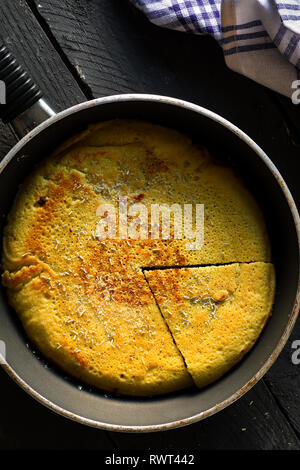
85,301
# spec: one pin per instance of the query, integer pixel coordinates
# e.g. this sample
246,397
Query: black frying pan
24,110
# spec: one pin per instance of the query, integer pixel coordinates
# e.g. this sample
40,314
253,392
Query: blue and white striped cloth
260,38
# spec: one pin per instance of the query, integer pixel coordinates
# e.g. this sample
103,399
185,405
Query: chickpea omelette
137,316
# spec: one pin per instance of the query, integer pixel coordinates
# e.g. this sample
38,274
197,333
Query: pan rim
292,206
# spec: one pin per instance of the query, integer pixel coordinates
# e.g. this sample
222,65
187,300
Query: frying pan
41,130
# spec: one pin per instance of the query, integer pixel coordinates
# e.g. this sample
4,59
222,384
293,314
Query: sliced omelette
84,301
119,345
214,313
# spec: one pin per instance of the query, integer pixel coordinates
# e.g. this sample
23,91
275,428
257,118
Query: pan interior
84,401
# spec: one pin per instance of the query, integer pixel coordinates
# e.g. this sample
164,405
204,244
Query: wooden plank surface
76,50
34,51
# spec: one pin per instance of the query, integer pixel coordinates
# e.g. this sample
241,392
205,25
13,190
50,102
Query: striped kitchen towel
260,38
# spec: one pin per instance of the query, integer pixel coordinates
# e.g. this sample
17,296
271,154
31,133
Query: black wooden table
82,49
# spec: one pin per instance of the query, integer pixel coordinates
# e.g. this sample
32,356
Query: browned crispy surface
85,301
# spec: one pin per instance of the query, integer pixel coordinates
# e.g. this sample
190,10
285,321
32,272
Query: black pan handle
18,92
21,103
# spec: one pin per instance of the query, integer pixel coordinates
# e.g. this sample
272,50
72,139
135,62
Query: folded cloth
260,38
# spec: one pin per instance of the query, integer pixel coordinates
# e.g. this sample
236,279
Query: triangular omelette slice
215,313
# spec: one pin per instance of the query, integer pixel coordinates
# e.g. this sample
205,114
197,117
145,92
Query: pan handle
21,103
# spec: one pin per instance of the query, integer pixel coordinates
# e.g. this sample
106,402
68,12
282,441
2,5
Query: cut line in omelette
214,313
84,301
